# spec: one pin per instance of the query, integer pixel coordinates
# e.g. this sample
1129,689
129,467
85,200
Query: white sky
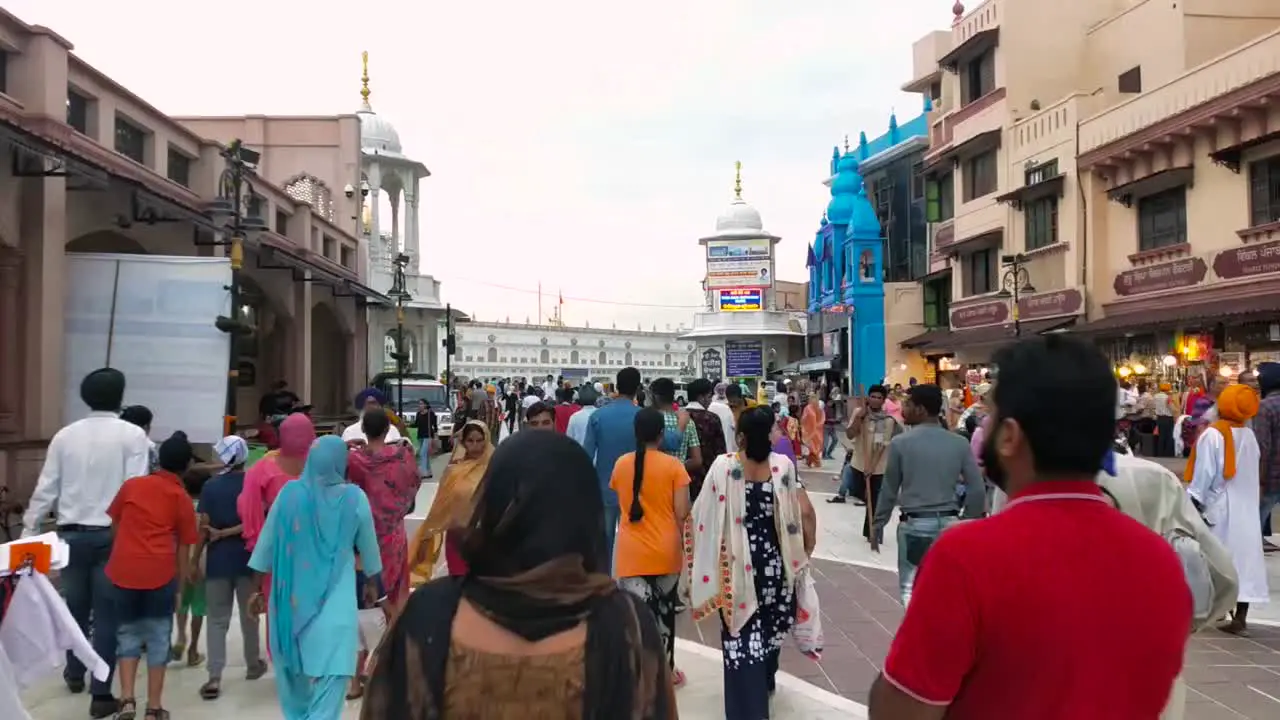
586,145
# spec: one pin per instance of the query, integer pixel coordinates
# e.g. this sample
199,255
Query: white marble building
493,350
391,176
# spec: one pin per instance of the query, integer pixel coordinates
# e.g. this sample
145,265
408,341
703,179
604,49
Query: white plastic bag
808,628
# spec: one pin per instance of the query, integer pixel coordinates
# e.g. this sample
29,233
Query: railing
1049,127
984,17
1238,68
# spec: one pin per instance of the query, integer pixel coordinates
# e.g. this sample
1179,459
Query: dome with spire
740,218
377,134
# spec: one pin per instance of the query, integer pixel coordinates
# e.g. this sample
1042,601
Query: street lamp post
235,214
1014,283
400,292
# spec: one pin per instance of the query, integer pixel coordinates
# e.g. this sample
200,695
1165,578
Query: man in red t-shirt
565,409
1011,616
155,526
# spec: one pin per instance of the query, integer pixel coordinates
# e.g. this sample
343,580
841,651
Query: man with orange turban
1223,473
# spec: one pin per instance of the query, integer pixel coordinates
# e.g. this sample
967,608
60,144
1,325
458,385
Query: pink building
89,167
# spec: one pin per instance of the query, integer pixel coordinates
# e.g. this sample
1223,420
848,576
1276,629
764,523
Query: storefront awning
1231,155
34,157
1260,307
947,340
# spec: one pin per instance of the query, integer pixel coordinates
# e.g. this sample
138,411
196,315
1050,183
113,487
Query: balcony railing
1050,127
1240,67
984,17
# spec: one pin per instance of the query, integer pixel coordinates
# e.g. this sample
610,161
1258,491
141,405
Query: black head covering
103,390
175,453
1268,377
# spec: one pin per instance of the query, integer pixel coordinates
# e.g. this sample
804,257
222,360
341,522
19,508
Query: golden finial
737,179
846,143
364,78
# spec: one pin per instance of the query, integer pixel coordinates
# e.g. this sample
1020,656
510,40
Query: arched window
604,358
309,189
573,357
493,354
544,357
666,359
626,360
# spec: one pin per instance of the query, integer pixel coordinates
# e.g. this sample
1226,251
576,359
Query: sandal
194,658
128,709
358,692
257,671
157,713
211,690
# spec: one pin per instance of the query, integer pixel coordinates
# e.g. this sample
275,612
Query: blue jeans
151,634
915,536
91,599
612,514
1267,506
829,439
424,457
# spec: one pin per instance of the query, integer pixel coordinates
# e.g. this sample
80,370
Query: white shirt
10,701
85,466
529,401
725,413
355,432
578,424
38,630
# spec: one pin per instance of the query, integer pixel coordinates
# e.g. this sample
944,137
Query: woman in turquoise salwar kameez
313,530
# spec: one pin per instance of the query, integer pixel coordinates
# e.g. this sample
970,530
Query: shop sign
741,300
1247,261
992,312
1165,276
1050,304
712,364
744,358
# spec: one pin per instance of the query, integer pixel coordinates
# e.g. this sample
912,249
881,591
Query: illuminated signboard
741,300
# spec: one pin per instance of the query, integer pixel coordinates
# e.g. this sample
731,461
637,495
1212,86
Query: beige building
1075,168
87,166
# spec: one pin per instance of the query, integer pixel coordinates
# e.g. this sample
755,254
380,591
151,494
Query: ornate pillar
411,237
11,316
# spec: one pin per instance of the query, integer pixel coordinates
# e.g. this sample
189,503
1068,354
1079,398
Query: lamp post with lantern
1014,283
236,216
400,293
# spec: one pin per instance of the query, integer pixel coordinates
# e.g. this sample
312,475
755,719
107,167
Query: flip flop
194,659
128,709
257,671
211,690
177,651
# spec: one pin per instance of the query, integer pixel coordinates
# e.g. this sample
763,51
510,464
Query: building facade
89,167
356,160
746,333
1025,190
493,351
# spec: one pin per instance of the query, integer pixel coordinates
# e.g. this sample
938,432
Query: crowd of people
547,575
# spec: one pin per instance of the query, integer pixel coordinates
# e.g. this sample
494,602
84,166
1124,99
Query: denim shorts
151,634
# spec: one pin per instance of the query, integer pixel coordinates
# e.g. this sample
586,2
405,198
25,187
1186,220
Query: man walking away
835,420
920,477
611,434
681,435
512,402
711,440
87,463
577,428
720,406
1004,619
1266,426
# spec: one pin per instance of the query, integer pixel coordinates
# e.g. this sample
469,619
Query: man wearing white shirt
369,400
720,406
86,464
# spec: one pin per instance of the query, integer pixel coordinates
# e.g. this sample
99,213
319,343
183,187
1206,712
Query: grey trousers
220,594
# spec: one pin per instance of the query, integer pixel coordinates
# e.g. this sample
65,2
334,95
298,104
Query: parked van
419,386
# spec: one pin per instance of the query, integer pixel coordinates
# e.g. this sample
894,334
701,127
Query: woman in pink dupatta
388,474
263,481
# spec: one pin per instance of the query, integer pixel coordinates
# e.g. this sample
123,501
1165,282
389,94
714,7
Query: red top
1014,616
152,516
563,413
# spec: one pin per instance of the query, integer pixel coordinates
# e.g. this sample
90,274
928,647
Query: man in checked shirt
1266,426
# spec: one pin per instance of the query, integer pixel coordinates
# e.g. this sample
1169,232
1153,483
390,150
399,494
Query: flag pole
539,302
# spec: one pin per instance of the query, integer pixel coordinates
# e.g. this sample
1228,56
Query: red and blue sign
741,300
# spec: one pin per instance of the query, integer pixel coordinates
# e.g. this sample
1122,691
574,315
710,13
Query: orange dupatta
450,508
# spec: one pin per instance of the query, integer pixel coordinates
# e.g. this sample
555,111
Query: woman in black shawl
537,630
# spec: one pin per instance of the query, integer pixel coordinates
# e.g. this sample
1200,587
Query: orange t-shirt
152,515
653,545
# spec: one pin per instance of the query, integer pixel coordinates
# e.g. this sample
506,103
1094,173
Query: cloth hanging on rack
10,701
8,584
38,630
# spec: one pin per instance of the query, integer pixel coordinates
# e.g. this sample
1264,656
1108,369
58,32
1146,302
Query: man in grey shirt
925,466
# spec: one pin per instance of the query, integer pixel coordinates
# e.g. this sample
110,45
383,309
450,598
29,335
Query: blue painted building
865,239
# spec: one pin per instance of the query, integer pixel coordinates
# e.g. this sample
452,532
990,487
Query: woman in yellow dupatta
452,505
811,422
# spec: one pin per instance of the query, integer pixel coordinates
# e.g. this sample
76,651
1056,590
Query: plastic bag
808,628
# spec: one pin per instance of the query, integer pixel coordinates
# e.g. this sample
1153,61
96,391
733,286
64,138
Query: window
1264,191
330,247
940,199
666,359
1044,171
4,71
131,140
282,222
1162,219
604,359
78,111
980,175
979,76
573,357
626,359
348,258
980,272
179,169
935,91
544,357
492,355
1130,81
1041,218
937,302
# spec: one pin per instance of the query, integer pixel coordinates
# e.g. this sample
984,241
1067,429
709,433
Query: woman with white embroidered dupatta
750,534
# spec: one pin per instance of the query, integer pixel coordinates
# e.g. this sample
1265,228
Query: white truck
419,386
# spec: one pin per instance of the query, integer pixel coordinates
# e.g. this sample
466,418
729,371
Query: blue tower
856,246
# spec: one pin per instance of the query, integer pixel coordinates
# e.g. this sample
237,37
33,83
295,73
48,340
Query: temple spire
737,180
364,82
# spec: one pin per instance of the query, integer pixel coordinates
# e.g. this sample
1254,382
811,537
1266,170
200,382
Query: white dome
377,134
739,219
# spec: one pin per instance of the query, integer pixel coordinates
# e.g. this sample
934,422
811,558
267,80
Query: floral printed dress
751,658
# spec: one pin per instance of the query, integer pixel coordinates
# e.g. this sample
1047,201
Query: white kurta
1231,506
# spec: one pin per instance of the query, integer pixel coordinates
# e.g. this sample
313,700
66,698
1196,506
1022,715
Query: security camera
349,191
364,188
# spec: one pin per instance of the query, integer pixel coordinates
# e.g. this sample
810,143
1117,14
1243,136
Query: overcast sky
586,145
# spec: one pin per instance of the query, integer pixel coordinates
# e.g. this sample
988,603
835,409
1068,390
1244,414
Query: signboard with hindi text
744,358
741,300
739,263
